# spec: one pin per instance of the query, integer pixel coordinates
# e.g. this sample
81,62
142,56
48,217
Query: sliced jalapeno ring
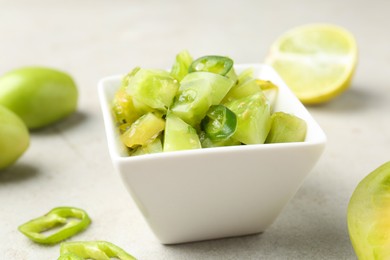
215,64
220,123
70,256
101,250
69,220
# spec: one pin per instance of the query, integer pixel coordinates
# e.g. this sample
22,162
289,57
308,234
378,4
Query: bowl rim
112,135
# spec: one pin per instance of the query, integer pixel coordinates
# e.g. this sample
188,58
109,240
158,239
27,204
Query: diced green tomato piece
246,85
232,75
193,101
270,91
154,88
286,128
127,78
179,135
218,85
125,108
220,123
253,118
197,92
215,64
142,107
124,111
245,75
137,106
182,63
247,88
143,131
154,147
208,143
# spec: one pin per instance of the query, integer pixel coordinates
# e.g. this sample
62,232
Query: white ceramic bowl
216,192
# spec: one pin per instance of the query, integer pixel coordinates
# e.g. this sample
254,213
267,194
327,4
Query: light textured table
68,163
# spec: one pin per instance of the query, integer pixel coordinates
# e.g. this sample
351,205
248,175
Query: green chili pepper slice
100,250
69,220
70,256
220,123
215,64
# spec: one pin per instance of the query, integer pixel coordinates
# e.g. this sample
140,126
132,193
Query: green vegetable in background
369,215
68,220
39,95
14,137
100,250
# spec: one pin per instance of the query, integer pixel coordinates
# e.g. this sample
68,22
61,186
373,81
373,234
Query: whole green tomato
14,137
38,95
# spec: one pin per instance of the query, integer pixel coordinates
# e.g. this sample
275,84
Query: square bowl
218,192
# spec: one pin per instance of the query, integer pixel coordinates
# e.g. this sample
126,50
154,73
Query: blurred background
68,163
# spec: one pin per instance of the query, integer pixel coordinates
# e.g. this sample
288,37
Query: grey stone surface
68,163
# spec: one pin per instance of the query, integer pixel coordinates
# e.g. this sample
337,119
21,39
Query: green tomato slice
270,91
253,118
197,92
181,66
179,135
208,143
286,128
154,88
124,111
242,90
220,123
143,131
154,147
127,78
245,86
